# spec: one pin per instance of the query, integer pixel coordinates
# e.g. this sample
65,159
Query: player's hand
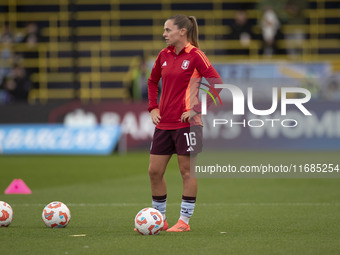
187,116
155,117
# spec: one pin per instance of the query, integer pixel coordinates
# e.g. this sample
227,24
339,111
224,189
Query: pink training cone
18,186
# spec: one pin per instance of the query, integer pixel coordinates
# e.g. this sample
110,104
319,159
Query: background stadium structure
95,50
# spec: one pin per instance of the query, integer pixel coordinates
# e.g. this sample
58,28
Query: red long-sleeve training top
178,74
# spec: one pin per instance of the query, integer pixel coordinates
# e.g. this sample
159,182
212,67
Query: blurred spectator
332,91
31,39
6,52
295,17
270,26
139,88
17,85
32,34
6,34
241,28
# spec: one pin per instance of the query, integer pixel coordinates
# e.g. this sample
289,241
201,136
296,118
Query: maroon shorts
183,141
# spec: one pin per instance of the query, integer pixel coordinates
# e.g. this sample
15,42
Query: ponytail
190,24
193,33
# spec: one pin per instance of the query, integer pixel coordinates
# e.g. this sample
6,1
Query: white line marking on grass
177,204
271,204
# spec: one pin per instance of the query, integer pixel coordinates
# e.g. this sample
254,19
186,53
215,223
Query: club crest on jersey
185,64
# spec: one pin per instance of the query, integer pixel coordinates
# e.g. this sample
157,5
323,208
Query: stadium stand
89,49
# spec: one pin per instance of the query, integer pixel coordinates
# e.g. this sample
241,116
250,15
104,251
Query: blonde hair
190,24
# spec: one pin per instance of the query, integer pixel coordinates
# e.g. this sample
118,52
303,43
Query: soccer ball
6,214
56,215
149,221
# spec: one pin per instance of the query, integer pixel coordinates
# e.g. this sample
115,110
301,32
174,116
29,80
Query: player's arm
205,68
153,91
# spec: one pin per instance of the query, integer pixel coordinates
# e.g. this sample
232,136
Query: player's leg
187,161
189,187
161,150
189,194
157,167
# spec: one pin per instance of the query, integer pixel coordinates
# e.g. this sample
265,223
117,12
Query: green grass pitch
232,216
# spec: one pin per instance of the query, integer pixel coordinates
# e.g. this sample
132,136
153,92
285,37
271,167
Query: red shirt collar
188,46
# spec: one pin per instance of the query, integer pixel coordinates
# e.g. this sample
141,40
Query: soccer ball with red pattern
149,221
56,215
6,214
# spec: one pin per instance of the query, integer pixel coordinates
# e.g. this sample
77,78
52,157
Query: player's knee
155,173
185,173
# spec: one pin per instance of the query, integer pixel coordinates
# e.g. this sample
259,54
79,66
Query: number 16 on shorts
194,139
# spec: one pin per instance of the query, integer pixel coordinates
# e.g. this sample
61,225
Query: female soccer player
178,122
